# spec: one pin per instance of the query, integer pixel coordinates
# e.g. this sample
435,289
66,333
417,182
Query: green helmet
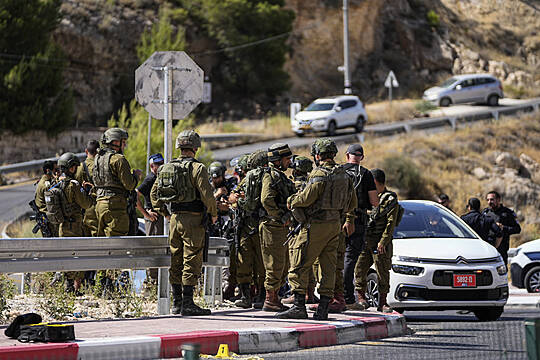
257,159
324,146
113,134
302,164
67,160
188,139
216,169
239,164
278,151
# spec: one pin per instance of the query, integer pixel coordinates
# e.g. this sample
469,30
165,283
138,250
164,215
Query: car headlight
407,269
502,270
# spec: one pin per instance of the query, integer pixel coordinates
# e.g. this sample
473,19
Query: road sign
185,84
391,80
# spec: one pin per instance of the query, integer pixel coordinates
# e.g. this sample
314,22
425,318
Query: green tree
32,91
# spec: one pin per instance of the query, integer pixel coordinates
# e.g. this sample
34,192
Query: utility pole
346,70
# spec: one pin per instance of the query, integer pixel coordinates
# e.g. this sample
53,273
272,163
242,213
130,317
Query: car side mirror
458,87
338,108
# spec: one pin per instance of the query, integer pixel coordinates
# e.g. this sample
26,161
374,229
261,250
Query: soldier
505,218
48,179
72,201
378,247
480,223
327,198
276,188
366,194
113,180
84,175
184,184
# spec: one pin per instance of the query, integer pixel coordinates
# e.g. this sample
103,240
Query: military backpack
59,210
174,181
337,190
251,203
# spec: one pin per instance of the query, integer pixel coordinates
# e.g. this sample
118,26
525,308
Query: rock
529,163
498,69
516,191
480,173
508,161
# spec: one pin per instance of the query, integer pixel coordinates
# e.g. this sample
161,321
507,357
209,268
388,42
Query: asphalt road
14,201
441,335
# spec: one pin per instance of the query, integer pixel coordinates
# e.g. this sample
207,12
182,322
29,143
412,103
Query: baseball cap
355,149
156,158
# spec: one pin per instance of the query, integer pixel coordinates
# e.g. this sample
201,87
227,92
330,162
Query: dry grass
383,112
23,229
272,126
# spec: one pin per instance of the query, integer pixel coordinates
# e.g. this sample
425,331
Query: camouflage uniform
84,174
45,183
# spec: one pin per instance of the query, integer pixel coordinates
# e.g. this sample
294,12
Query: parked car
331,113
525,266
440,263
472,88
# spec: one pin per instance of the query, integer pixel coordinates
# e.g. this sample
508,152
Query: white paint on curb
117,348
350,332
267,340
396,325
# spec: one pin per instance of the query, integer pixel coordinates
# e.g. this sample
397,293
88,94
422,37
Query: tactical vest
251,203
283,186
377,222
59,210
175,185
106,184
336,195
357,172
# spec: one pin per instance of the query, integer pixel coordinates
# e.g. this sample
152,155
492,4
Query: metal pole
148,144
346,71
390,94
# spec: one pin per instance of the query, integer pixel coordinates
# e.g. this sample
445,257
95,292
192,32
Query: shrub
7,289
57,302
424,106
404,175
433,19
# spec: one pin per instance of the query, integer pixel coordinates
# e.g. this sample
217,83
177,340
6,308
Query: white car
440,263
525,266
331,113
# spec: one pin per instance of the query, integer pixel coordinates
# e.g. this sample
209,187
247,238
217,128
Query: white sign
391,80
207,93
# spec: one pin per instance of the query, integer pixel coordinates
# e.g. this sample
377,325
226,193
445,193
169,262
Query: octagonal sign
186,85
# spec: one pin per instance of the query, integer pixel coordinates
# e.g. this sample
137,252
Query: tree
32,91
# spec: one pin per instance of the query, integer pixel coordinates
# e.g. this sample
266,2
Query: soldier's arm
200,175
513,226
268,198
123,171
388,233
306,197
353,204
157,205
80,176
80,196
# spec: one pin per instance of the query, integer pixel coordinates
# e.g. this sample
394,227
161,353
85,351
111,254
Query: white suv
331,113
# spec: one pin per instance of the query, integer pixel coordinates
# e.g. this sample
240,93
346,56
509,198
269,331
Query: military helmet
302,164
216,169
239,163
257,159
68,160
278,151
324,146
113,134
188,139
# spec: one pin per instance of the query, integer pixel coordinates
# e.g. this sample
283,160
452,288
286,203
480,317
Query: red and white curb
247,341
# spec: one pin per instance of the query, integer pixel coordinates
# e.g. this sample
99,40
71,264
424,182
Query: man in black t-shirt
152,220
366,193
482,224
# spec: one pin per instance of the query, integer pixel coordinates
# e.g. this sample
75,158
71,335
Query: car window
424,220
448,83
320,107
481,81
467,83
348,104
489,80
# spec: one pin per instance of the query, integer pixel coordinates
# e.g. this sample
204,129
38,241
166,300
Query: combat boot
322,309
361,304
228,291
338,304
259,299
177,298
245,301
298,311
189,308
272,303
383,304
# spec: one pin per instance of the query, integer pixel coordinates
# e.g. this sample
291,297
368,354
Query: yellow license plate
305,127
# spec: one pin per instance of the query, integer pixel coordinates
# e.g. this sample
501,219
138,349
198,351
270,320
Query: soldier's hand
214,219
348,228
381,249
152,215
500,225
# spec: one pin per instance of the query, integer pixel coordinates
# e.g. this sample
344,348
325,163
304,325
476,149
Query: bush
57,302
403,174
424,106
7,289
433,19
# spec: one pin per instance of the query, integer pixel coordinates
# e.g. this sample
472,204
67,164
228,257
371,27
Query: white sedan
525,266
440,263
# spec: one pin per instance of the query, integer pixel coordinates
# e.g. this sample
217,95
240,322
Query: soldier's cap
356,149
278,150
156,158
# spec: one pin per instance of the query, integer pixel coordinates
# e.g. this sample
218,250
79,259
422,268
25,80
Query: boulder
508,160
480,173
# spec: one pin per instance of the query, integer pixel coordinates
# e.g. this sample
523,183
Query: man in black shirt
505,218
366,193
153,222
480,223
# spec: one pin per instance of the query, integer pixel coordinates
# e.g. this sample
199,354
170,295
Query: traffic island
244,331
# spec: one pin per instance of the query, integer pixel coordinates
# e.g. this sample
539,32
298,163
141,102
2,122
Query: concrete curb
250,341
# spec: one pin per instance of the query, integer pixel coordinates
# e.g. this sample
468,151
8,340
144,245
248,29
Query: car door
341,115
463,92
348,112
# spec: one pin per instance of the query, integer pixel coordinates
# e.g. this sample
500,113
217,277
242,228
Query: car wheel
445,102
493,100
532,280
360,122
372,292
489,313
331,131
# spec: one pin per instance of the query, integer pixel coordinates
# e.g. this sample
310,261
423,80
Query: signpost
390,82
169,85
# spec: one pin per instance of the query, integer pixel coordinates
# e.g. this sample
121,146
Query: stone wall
37,145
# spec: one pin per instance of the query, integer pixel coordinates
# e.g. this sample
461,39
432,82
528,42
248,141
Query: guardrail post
495,115
535,106
164,301
453,123
407,128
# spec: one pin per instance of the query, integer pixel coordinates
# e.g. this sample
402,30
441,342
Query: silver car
472,88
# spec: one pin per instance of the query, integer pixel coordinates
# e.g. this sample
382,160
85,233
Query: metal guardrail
32,165
26,255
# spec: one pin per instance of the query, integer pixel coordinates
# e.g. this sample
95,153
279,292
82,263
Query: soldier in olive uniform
113,180
327,198
48,179
378,247
76,199
84,174
273,228
187,229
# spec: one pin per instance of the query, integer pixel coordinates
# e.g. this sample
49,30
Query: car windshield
425,220
448,83
320,107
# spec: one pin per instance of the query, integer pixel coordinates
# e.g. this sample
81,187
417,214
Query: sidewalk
245,332
520,297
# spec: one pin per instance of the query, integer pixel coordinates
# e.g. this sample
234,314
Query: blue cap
156,158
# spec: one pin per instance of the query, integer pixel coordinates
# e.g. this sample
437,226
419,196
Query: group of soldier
326,225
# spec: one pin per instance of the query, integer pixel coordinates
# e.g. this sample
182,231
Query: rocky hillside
421,41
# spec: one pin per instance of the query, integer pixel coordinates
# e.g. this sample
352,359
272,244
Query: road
14,201
442,335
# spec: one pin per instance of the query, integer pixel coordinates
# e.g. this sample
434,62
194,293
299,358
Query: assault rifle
42,223
298,220
206,223
132,213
